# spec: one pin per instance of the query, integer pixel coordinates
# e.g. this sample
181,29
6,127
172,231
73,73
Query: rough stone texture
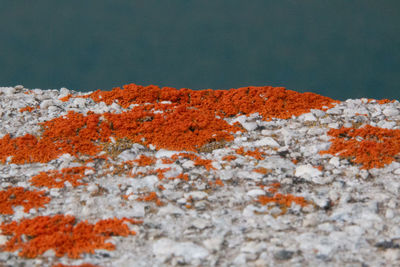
352,218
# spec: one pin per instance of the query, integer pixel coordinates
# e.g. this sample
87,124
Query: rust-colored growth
66,98
62,234
274,187
184,155
229,157
262,170
385,101
270,102
372,147
207,163
283,200
151,197
319,167
167,161
219,182
18,196
56,179
182,176
27,108
189,123
72,134
178,129
255,153
145,161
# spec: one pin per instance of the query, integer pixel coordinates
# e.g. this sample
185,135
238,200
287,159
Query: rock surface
286,191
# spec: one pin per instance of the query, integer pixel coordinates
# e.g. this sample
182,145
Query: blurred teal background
337,48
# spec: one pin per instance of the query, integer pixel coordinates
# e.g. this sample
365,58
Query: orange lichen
18,196
255,153
282,200
219,182
151,197
372,147
262,170
189,156
188,123
27,108
73,134
56,179
270,102
360,114
167,161
207,163
145,161
319,167
385,101
274,187
181,176
229,157
62,234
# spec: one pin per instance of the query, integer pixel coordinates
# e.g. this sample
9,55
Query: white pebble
391,111
46,103
266,141
256,193
7,90
307,171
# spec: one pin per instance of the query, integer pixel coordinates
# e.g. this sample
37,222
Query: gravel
352,219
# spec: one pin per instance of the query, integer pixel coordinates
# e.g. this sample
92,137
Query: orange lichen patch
18,196
185,155
385,101
66,98
62,234
381,101
262,170
229,157
188,123
27,108
167,161
151,197
26,149
73,134
219,182
56,179
207,163
372,147
81,265
270,102
295,161
283,200
161,187
255,153
145,161
320,167
181,176
273,188
180,128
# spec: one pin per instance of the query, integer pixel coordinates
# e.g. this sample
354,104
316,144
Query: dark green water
338,48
